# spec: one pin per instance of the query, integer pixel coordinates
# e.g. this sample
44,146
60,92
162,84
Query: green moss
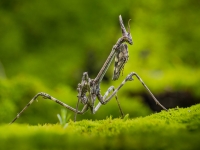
176,129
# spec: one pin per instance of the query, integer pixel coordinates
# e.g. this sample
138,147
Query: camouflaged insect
121,58
89,89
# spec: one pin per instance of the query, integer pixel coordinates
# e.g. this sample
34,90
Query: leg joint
130,76
44,95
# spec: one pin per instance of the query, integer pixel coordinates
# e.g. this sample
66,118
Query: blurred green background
47,45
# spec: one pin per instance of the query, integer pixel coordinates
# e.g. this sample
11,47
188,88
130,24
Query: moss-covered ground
178,128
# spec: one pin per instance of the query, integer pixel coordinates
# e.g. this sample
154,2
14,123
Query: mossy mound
178,128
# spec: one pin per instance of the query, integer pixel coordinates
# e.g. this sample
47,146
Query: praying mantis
89,89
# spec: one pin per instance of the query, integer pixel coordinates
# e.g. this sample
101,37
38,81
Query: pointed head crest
127,35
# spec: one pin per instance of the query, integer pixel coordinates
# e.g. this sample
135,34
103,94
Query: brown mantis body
89,89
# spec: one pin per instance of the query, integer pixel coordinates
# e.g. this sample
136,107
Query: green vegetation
177,129
63,118
47,45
